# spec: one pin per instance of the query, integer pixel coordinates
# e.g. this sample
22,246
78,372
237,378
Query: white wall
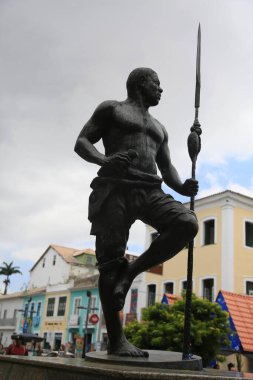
10,304
49,274
83,271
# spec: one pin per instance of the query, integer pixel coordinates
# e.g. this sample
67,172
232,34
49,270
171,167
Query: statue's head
144,82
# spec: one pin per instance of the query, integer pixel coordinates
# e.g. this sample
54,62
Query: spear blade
198,79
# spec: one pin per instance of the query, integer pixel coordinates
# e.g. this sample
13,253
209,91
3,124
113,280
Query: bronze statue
128,188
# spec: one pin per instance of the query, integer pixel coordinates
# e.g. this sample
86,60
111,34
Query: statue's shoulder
106,106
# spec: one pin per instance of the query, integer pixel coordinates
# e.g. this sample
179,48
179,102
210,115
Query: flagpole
194,146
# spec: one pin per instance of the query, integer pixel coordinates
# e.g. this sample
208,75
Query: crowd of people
20,348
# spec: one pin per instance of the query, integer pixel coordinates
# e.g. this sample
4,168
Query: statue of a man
128,188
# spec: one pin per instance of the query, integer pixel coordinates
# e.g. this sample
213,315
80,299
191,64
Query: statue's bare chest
127,120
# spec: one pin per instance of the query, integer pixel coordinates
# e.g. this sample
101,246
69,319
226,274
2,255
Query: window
249,234
209,226
5,314
77,303
169,287
151,294
54,259
249,288
43,262
50,307
89,260
93,301
38,308
62,306
208,289
57,340
15,313
133,302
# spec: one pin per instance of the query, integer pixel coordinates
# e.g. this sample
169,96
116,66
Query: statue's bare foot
128,349
123,284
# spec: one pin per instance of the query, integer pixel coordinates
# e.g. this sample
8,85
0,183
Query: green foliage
162,328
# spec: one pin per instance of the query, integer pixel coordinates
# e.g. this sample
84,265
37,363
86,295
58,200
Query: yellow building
55,316
223,251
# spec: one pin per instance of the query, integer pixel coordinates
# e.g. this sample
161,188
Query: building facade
10,304
84,303
223,250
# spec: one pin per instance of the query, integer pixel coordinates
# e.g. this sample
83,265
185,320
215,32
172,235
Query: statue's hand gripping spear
194,146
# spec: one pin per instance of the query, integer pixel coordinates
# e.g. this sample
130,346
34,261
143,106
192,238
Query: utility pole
88,308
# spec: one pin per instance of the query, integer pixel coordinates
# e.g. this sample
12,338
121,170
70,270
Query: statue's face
151,90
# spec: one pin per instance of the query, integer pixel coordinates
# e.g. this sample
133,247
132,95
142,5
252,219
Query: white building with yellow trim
223,251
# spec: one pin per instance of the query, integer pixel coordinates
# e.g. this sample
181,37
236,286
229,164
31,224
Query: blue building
32,311
84,292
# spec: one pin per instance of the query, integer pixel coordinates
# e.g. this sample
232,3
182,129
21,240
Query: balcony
10,322
74,320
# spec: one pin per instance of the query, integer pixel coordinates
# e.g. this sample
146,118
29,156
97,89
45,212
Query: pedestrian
17,348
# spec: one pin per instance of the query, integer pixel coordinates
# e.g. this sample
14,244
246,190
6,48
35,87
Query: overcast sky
61,58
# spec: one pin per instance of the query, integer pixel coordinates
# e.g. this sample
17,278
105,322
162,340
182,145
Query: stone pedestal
156,359
46,368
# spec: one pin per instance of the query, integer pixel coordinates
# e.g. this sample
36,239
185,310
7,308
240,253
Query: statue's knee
191,225
109,245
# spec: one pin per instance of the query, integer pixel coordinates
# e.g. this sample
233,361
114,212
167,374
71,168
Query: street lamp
88,308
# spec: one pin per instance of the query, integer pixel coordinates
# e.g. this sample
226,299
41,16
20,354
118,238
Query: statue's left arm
170,174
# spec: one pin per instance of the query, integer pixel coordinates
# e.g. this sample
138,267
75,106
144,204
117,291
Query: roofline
212,199
41,257
76,252
23,294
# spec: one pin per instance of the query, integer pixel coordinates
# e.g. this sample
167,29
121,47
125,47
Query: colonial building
84,304
223,250
55,316
10,304
44,307
59,265
32,311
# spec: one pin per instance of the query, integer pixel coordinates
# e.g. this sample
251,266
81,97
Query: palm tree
8,270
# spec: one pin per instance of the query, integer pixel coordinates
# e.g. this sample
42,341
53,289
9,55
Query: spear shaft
194,146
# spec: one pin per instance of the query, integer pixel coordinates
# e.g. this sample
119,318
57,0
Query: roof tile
241,311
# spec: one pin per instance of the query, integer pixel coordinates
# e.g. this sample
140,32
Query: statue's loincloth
116,203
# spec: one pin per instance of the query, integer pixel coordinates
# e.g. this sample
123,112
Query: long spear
194,146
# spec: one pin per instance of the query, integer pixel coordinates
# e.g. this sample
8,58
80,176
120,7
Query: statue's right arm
92,132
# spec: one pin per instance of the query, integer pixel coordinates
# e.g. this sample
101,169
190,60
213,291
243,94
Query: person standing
17,348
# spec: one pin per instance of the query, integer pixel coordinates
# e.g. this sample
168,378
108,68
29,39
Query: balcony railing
8,322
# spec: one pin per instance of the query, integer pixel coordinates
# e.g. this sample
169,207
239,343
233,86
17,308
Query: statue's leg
176,225
166,245
110,270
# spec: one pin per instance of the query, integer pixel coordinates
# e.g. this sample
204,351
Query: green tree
162,328
8,270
